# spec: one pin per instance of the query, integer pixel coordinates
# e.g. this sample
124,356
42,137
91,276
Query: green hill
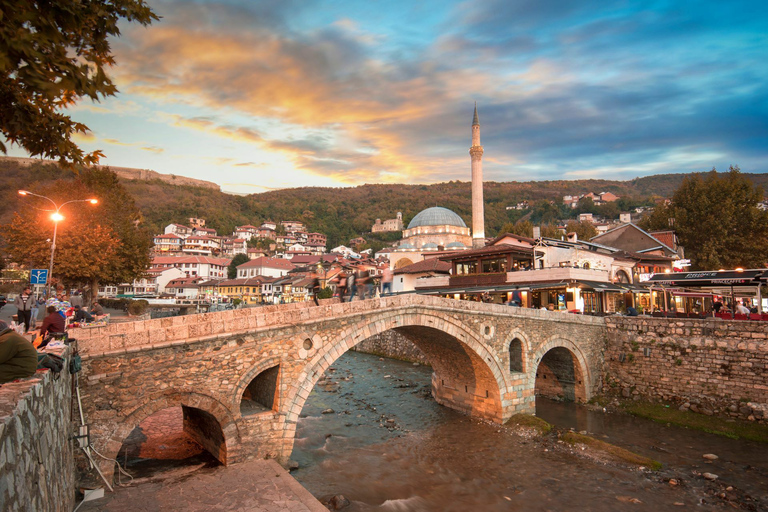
342,213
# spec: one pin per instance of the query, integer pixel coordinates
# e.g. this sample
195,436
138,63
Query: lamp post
56,216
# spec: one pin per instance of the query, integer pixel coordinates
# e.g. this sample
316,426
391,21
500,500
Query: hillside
341,213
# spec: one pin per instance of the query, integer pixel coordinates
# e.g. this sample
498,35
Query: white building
194,266
270,267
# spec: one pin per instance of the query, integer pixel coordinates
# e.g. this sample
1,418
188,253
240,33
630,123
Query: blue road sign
38,276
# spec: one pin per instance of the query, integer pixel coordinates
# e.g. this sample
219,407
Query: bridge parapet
159,332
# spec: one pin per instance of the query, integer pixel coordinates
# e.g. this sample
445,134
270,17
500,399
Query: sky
258,95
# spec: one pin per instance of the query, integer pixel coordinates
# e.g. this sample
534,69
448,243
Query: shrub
138,307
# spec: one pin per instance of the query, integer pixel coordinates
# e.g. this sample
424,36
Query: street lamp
56,216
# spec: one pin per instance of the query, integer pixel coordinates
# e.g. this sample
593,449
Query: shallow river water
387,446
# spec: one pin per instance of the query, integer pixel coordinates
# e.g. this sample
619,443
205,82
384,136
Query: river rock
338,502
672,482
710,456
292,465
710,476
706,411
328,411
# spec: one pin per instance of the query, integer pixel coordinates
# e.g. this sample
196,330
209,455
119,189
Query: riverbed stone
710,456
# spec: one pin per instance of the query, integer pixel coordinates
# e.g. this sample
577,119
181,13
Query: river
387,446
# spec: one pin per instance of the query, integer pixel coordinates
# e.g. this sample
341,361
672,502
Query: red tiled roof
176,260
428,265
268,262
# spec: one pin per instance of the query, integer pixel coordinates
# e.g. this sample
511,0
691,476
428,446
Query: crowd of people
20,340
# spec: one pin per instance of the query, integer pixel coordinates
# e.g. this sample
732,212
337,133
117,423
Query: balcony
554,274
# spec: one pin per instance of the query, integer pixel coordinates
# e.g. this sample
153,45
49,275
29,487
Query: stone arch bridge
242,377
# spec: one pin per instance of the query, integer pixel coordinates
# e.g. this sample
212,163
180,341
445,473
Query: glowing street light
56,216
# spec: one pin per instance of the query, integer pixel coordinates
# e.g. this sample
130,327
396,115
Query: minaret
478,213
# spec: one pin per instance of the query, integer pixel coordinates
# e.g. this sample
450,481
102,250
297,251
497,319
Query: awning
601,287
714,278
678,293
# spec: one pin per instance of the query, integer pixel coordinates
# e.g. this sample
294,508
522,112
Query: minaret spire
478,211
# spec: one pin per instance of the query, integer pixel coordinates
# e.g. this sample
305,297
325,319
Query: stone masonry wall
392,344
36,450
709,366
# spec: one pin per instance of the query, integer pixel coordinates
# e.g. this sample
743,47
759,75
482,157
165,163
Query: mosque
439,229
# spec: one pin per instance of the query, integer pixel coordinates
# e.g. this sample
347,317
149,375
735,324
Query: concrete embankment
257,485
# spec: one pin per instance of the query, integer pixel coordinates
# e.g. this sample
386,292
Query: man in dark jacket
18,357
54,322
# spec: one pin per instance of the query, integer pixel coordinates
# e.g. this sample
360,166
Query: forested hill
343,213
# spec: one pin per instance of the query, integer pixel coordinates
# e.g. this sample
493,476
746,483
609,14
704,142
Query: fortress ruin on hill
128,173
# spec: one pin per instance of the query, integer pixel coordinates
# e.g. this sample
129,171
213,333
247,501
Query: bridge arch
248,377
561,362
468,375
221,448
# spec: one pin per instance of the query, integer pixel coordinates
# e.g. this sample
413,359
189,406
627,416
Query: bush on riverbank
531,422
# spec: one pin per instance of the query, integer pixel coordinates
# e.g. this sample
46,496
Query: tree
97,245
239,259
584,230
718,222
52,54
521,228
550,231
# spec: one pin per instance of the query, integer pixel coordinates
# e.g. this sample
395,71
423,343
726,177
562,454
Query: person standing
387,276
35,311
352,285
24,303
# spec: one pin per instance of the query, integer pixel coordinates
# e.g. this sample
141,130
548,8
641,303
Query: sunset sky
256,95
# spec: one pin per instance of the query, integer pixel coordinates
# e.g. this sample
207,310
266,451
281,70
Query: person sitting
82,316
18,357
54,322
742,309
96,309
631,311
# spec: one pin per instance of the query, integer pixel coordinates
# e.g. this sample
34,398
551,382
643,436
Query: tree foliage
52,54
584,230
102,244
717,221
239,259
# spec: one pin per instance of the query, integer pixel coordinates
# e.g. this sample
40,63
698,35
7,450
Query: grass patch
612,450
738,429
529,421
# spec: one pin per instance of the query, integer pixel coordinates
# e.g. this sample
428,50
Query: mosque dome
429,246
455,245
407,246
436,216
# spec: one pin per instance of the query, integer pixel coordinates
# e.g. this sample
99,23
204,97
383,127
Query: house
184,288
194,266
291,226
234,246
631,238
247,290
270,267
178,229
202,245
356,242
196,223
246,232
407,278
317,239
204,232
168,243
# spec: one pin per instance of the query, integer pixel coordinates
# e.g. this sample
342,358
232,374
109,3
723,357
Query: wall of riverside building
709,366
36,447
